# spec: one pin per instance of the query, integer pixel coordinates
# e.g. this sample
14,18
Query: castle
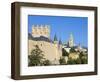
52,49
41,37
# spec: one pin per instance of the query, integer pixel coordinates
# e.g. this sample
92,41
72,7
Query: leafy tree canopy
72,50
64,52
36,57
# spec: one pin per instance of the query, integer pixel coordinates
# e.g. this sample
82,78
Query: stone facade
71,41
51,50
41,30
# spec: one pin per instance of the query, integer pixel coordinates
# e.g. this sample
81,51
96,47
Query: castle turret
55,39
60,44
41,30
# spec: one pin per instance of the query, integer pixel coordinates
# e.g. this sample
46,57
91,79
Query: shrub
62,61
72,50
36,57
84,60
73,61
46,62
64,52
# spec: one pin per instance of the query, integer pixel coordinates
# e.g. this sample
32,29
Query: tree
62,61
84,58
72,50
81,55
71,61
78,61
64,52
36,57
46,62
84,61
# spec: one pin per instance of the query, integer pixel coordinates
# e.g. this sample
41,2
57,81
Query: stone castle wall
51,51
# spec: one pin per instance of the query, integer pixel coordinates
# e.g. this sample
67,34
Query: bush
64,52
46,62
36,58
84,60
73,61
78,61
62,61
72,50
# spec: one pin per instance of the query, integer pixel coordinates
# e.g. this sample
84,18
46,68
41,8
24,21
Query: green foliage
84,61
73,61
78,61
84,58
64,52
36,57
81,54
72,50
62,61
46,62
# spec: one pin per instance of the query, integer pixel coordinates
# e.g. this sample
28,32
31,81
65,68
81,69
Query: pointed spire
71,40
71,36
55,38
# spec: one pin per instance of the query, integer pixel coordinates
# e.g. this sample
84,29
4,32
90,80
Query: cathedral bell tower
71,41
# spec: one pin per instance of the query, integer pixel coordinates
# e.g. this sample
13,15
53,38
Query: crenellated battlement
41,30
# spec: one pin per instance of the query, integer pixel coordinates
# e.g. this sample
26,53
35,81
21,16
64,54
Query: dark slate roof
41,38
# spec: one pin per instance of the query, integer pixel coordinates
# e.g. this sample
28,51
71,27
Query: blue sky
62,26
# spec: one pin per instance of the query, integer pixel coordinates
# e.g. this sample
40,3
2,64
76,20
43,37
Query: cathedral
71,41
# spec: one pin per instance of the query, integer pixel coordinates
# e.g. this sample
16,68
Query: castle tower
47,31
41,30
71,41
55,39
60,44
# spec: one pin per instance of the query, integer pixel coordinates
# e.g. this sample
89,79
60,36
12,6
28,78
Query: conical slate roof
55,38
